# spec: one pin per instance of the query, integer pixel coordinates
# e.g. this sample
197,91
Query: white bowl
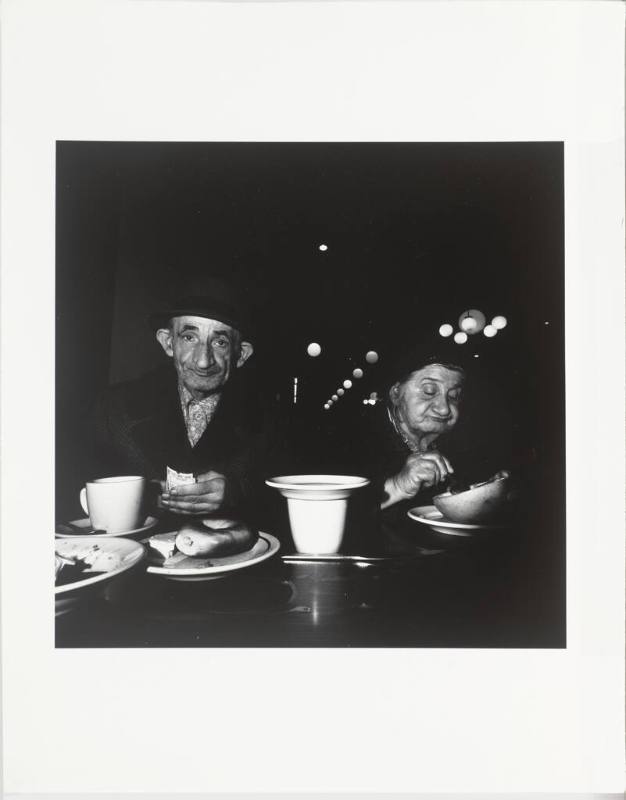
481,503
69,595
317,507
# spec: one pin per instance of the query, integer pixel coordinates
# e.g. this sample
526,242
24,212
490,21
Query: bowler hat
208,298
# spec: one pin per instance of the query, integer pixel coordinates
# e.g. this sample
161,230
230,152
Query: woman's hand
420,471
203,497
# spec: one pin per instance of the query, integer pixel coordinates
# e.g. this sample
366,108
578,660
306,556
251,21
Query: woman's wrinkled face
427,402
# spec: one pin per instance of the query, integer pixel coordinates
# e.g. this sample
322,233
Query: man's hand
420,471
203,497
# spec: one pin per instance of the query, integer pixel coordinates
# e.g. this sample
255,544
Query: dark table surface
499,589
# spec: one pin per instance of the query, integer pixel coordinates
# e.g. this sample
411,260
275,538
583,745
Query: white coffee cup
317,506
115,505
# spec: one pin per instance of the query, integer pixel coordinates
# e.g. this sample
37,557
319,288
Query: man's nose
204,356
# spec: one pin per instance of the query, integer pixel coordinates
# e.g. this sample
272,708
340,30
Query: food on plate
212,538
68,571
164,544
78,560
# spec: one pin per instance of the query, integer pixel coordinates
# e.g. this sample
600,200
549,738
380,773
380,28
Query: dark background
416,234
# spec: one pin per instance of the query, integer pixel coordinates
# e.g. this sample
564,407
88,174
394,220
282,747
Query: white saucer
203,569
317,487
84,524
429,515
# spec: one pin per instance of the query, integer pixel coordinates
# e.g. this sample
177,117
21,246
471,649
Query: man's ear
245,351
164,338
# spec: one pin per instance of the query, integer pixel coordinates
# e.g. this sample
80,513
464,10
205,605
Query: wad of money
175,478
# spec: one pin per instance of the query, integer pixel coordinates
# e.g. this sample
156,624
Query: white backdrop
379,720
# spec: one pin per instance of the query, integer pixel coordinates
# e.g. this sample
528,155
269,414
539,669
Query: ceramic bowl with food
482,502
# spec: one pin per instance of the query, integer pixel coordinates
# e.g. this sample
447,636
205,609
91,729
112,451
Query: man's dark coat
140,429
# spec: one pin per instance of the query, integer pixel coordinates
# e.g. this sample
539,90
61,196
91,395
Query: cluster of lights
371,357
472,322
371,400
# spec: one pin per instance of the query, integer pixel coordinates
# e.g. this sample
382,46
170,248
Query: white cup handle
83,500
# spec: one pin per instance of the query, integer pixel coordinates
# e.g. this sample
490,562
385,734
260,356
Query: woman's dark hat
445,352
212,299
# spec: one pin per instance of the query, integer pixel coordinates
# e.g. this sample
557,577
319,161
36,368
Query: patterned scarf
196,413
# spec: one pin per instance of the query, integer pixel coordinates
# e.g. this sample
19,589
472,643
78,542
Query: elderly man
191,422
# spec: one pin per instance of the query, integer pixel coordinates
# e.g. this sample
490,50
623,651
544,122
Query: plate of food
431,516
83,527
84,565
207,550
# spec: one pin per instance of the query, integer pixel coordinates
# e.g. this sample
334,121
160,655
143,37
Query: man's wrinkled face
204,351
427,402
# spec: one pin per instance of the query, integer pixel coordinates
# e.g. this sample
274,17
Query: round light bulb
374,396
326,406
490,331
371,356
347,384
314,349
472,321
446,330
341,392
357,373
499,322
323,248
468,324
335,398
365,401
460,337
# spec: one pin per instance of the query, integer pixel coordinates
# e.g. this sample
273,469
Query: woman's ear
164,338
245,351
393,393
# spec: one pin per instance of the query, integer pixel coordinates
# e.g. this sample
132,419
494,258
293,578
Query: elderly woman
442,425
423,405
410,446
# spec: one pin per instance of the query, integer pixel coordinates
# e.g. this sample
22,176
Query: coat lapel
162,434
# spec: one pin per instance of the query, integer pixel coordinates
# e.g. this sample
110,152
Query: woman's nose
441,406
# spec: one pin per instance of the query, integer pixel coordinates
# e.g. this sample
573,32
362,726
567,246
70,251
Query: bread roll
213,538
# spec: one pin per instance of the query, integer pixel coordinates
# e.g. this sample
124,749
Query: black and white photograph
310,394
312,348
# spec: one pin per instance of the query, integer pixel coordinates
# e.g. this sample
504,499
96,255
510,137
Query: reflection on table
407,587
